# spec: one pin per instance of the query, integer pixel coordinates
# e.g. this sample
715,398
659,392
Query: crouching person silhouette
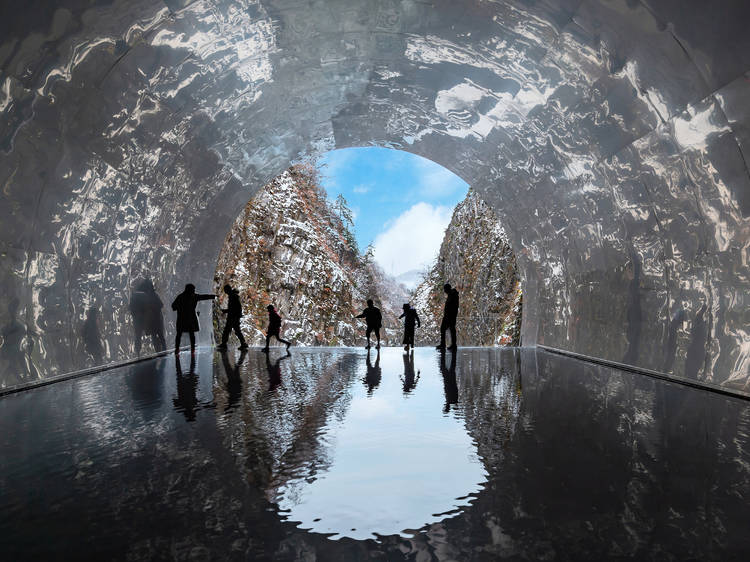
187,319
274,328
234,313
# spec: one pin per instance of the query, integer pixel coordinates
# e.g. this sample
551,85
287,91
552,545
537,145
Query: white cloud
412,240
362,188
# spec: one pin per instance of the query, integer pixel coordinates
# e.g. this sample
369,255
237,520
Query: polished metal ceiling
612,137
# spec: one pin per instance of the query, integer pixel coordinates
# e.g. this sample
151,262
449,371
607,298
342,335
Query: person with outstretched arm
187,319
274,328
234,313
374,321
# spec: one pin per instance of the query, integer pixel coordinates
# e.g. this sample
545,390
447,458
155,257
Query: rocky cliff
476,259
291,247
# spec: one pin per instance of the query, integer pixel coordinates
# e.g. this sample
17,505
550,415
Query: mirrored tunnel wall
611,136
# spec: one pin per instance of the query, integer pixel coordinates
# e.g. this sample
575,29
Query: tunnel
611,137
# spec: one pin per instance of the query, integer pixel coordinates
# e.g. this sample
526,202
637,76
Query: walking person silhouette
187,319
234,313
410,318
374,320
450,313
274,328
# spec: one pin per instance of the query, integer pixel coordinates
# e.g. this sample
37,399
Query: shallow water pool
332,454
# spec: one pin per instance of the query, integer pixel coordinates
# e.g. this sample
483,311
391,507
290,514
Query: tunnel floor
324,454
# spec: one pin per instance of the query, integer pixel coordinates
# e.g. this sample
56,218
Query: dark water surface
323,455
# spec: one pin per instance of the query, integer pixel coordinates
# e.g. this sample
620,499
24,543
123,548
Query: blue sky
402,203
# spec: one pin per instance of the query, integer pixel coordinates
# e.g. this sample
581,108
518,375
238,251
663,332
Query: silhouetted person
187,388
234,380
450,313
670,349
450,386
187,319
374,373
17,344
146,307
92,342
696,351
410,319
374,320
409,379
274,328
274,371
234,313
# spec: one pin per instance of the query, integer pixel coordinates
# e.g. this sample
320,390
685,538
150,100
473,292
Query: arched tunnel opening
611,139
322,238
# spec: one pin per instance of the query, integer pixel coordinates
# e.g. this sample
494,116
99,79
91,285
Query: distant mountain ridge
411,279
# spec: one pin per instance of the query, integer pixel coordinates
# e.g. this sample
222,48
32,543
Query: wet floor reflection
394,460
481,455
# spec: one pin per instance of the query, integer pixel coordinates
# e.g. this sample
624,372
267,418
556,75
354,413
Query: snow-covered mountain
292,248
476,259
411,279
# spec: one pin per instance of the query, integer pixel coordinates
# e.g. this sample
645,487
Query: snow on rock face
475,258
289,248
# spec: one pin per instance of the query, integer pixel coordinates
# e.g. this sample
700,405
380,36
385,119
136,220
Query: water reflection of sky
398,461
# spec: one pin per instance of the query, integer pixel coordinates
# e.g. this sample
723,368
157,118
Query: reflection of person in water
450,386
274,371
234,380
410,319
187,388
146,382
409,380
374,373
145,308
187,319
17,344
92,342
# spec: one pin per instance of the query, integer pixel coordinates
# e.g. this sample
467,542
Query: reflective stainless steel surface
612,136
326,455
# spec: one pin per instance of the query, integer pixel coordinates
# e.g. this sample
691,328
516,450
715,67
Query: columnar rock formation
288,247
475,257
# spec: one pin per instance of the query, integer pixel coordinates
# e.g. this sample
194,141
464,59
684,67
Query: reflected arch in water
398,462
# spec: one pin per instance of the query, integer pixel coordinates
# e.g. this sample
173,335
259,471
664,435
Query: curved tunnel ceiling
610,135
